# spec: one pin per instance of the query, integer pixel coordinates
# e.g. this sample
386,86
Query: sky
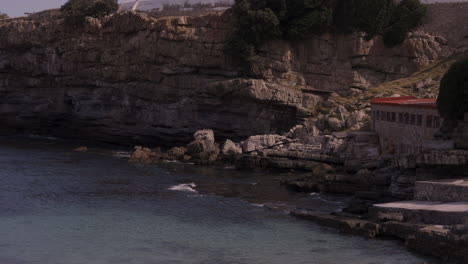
19,7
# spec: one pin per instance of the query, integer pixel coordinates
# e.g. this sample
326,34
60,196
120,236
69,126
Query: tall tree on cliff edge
453,95
76,11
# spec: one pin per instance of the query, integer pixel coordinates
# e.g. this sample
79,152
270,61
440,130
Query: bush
453,95
76,11
313,22
407,15
258,21
3,16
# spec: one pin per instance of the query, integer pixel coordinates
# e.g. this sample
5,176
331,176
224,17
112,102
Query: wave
121,154
258,205
184,187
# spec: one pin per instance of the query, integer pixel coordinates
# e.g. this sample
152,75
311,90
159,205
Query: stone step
452,190
424,212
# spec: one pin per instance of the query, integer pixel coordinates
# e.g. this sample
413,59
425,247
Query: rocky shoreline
345,164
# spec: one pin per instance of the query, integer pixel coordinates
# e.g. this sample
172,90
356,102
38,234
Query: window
429,121
389,118
413,120
382,115
436,121
400,118
377,115
406,118
419,120
393,117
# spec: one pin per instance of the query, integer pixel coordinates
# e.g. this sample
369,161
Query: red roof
407,101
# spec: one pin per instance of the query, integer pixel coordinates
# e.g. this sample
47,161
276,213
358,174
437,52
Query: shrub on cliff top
3,16
407,15
76,11
453,95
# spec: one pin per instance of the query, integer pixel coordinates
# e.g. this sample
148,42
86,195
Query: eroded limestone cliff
131,78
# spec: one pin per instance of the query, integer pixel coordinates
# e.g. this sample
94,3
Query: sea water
60,206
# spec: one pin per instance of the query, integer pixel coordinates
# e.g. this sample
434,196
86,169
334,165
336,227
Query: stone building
407,125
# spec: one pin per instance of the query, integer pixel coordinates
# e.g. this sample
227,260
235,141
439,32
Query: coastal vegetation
259,21
453,94
76,11
3,16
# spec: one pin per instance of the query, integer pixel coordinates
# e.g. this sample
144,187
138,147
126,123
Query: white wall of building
406,130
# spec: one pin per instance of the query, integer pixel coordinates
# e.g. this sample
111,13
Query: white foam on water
184,187
121,154
258,205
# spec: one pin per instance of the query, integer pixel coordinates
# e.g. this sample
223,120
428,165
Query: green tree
406,16
453,95
76,11
371,16
258,21
308,17
3,16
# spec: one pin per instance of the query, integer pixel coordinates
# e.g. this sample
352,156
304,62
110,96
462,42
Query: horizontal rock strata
131,78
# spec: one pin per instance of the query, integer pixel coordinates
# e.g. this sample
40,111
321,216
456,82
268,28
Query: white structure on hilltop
157,5
142,5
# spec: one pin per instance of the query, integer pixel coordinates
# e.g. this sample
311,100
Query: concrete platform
425,212
453,190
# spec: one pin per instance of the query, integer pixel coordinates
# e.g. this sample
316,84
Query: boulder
231,148
356,119
335,124
144,155
176,153
204,147
205,134
261,142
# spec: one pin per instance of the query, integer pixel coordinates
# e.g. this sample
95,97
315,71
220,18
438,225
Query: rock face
132,78
203,148
231,148
261,142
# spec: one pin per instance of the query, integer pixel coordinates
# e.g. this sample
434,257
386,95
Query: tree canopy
260,20
76,11
453,95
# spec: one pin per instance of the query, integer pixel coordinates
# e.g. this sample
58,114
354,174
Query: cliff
131,78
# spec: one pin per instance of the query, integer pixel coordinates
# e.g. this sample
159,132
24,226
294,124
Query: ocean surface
60,206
